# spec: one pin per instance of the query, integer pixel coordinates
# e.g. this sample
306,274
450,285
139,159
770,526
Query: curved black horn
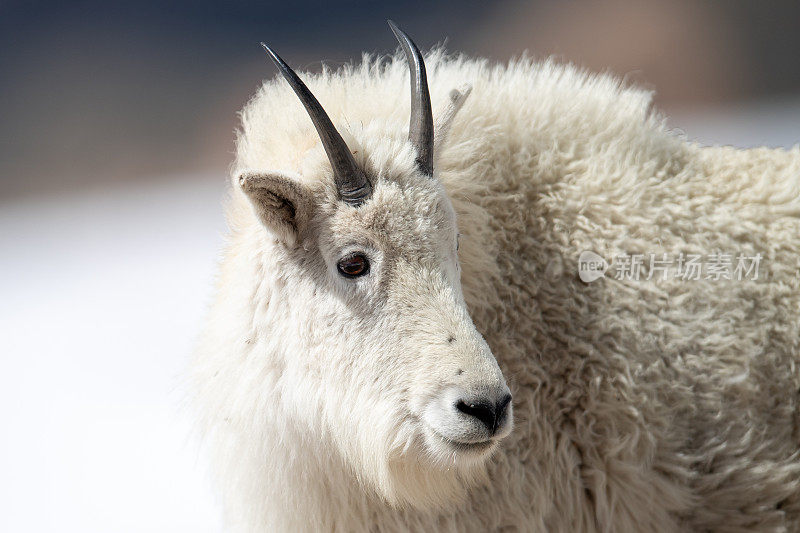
350,180
420,130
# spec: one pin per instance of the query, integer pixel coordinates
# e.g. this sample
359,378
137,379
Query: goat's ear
284,205
445,116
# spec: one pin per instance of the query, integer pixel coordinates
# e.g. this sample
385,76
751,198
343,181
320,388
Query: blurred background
116,131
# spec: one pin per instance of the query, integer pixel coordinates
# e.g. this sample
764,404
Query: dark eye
353,266
458,240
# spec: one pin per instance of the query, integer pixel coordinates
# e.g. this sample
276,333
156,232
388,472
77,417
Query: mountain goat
385,293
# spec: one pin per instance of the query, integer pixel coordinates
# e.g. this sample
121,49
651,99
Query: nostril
502,408
481,410
491,415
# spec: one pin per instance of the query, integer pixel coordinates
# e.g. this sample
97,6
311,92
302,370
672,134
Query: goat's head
381,357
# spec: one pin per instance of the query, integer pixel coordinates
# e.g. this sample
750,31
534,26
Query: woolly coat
644,404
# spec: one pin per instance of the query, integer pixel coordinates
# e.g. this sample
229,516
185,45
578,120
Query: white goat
343,377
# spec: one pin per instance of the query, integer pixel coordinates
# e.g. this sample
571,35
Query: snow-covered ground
102,293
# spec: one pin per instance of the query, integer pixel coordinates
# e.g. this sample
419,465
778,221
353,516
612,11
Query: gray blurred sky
101,92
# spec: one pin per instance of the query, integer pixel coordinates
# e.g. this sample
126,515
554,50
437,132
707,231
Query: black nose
491,414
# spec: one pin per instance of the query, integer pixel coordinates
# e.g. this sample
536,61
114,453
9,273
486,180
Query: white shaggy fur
650,405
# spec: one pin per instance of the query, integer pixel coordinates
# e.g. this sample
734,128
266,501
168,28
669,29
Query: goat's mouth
473,447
